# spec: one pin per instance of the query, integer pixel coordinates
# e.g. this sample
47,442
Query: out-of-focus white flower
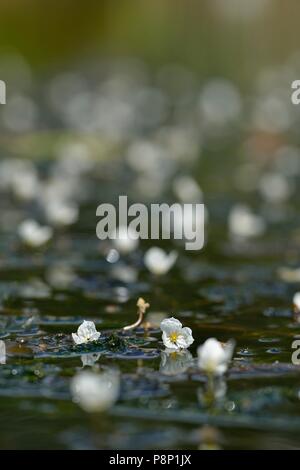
187,189
158,262
219,104
125,273
20,113
296,301
33,234
95,392
35,289
74,158
174,336
243,223
86,333
89,359
214,357
125,240
25,184
289,274
2,352
175,362
60,276
58,188
271,113
60,213
153,156
275,188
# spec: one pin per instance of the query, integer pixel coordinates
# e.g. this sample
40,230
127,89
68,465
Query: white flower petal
170,324
86,333
158,261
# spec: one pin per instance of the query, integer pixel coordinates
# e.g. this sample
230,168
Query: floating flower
2,352
214,357
60,213
125,273
33,234
289,274
244,223
60,276
175,362
25,184
158,262
95,392
174,336
86,333
125,240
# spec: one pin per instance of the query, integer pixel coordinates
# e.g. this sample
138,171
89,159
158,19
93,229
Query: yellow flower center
174,337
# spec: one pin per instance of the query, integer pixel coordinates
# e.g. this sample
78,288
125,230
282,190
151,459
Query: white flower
60,213
296,301
21,177
60,276
86,333
33,234
125,273
95,392
187,189
175,362
158,261
275,187
25,184
174,336
2,352
289,275
214,357
244,223
125,240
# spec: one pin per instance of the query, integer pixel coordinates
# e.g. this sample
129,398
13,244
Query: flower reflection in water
175,362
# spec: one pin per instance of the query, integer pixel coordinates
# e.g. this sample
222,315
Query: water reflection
175,362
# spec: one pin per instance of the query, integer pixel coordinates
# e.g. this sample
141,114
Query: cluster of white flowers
96,392
213,356
57,196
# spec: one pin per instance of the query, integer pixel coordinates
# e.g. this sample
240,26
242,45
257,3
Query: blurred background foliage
232,38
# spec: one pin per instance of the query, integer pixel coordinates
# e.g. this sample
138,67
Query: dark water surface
229,290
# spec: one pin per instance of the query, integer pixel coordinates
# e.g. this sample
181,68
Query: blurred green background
232,38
